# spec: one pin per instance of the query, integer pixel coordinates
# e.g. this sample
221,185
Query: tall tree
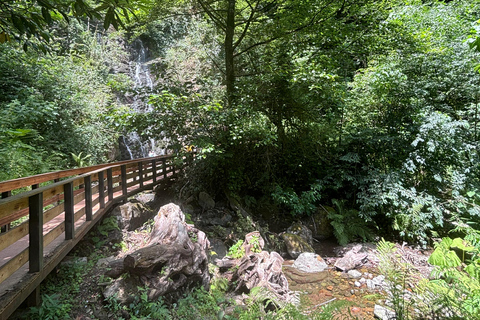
247,25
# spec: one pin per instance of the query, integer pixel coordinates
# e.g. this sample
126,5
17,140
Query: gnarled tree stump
174,255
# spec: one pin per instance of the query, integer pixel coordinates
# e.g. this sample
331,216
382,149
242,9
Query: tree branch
245,29
310,23
210,12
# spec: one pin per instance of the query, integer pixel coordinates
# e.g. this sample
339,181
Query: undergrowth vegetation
451,292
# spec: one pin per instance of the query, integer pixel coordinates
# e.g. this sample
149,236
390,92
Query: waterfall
135,144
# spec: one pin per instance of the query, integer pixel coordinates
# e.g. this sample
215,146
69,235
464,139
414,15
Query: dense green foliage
370,106
56,110
379,109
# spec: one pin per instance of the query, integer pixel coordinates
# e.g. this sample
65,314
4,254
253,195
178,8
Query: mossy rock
303,231
296,245
320,224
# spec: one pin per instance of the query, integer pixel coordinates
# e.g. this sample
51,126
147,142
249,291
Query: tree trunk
229,51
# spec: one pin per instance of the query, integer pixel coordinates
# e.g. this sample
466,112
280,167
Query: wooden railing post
164,164
6,194
123,170
88,198
110,184
140,173
154,170
35,231
101,189
69,211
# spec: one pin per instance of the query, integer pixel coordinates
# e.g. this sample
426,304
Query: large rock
206,201
296,244
132,215
218,250
173,258
214,217
310,262
319,223
297,277
301,230
146,198
352,259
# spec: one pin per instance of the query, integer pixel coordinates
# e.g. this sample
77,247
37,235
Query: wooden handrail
78,203
10,185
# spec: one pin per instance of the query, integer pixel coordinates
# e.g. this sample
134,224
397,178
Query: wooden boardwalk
59,215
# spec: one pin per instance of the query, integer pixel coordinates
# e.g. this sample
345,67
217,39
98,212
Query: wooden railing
59,214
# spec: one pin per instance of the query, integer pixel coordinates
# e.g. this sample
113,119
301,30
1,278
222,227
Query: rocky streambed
168,256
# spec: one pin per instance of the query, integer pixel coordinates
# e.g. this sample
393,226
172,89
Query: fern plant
347,224
456,285
398,275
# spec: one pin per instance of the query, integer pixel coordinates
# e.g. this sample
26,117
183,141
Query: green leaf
17,22
462,245
46,15
444,258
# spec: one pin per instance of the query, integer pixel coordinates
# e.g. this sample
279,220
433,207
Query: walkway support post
88,198
69,211
110,184
35,230
154,170
140,173
164,163
101,190
123,169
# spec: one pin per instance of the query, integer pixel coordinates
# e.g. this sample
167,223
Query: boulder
145,198
352,259
310,262
218,250
214,217
319,223
296,244
172,259
301,230
206,201
132,215
297,277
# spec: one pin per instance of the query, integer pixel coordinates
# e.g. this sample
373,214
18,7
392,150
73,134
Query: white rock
370,284
310,262
383,313
378,280
362,280
354,274
357,284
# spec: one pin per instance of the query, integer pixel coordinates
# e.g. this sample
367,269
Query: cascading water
133,144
